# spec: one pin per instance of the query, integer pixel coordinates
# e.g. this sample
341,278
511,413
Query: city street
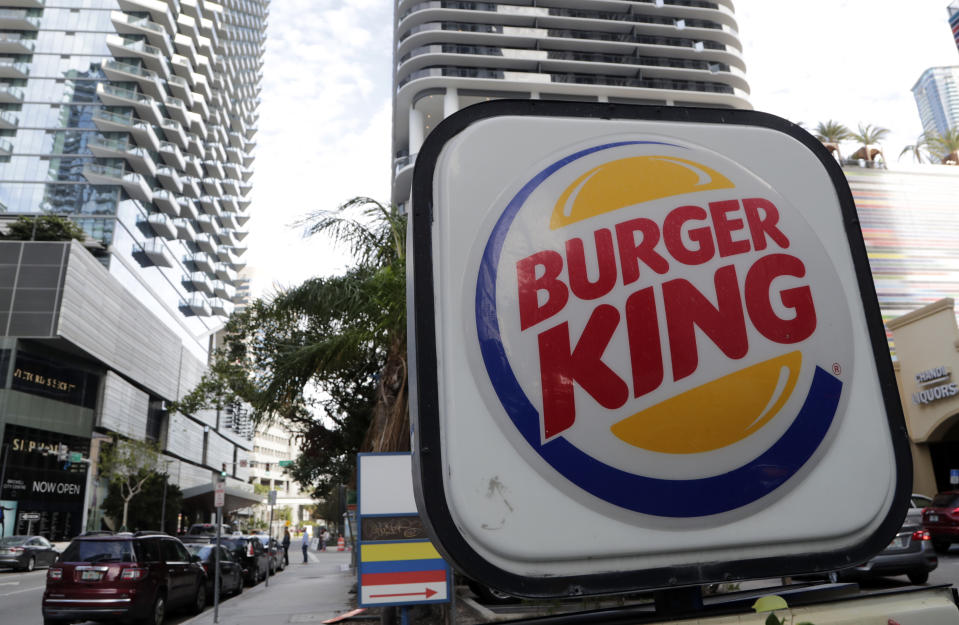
319,588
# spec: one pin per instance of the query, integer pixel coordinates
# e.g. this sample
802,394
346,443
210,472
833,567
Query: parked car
209,529
123,576
917,503
231,572
275,550
941,519
910,553
25,553
247,551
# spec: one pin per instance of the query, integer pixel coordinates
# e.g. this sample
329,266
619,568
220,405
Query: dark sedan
25,553
231,573
910,553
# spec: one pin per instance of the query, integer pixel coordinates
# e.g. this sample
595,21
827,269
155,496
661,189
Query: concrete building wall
125,408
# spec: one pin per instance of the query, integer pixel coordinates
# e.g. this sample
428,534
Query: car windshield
10,541
945,500
99,551
201,550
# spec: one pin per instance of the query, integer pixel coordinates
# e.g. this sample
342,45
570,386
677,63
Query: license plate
933,518
91,575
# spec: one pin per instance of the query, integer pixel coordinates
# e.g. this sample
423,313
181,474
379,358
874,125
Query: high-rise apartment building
937,97
450,54
135,119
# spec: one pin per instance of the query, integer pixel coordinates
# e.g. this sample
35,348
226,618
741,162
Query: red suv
123,576
941,519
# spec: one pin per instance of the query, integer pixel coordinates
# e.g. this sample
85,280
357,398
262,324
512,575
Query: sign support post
219,494
272,502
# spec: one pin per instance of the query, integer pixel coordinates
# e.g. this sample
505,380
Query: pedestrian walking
286,547
324,537
306,545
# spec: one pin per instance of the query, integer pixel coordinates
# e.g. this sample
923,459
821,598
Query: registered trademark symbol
836,368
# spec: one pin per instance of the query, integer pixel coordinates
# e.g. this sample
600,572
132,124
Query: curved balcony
156,250
210,204
168,204
10,95
199,281
18,19
221,307
16,43
162,225
185,229
202,261
205,242
151,56
13,69
208,223
133,25
159,11
199,305
172,156
148,80
188,208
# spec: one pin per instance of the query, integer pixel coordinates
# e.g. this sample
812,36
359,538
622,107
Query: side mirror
195,558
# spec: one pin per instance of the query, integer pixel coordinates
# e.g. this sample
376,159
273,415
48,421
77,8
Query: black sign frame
428,467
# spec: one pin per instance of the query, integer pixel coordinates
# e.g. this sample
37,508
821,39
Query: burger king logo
661,329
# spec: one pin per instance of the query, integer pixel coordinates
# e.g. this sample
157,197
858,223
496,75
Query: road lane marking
17,592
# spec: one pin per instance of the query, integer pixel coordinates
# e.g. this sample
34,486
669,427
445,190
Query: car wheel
239,585
940,546
199,600
491,595
157,612
31,564
919,577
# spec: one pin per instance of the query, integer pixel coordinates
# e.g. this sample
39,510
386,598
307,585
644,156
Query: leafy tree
336,344
945,147
144,511
831,133
868,135
128,465
43,228
920,149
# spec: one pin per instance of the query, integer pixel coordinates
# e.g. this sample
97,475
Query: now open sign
646,342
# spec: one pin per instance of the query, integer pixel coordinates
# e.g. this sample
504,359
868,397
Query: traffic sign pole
219,494
272,502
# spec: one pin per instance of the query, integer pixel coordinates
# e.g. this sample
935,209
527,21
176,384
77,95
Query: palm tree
945,147
831,133
370,310
869,135
918,150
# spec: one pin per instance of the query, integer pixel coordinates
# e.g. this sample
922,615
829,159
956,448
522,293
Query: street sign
62,452
286,463
954,476
219,494
75,457
271,498
661,324
398,565
30,516
402,573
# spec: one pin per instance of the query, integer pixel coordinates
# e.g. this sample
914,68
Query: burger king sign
647,351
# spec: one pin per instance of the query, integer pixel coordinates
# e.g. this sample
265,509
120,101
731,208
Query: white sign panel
649,344
385,486
219,493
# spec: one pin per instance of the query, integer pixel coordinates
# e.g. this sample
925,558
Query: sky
324,126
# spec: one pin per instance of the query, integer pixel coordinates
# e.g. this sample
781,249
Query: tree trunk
126,506
390,425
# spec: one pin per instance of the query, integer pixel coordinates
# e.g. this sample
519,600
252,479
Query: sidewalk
302,593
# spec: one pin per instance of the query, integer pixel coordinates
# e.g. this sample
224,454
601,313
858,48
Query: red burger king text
729,228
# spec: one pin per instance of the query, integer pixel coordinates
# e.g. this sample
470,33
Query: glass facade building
937,97
136,119
450,54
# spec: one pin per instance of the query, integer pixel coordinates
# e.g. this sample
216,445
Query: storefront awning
236,497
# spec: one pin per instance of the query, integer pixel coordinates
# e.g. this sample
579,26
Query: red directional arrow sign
429,592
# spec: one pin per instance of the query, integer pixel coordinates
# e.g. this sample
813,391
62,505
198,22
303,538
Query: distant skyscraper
937,96
954,20
136,118
450,54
